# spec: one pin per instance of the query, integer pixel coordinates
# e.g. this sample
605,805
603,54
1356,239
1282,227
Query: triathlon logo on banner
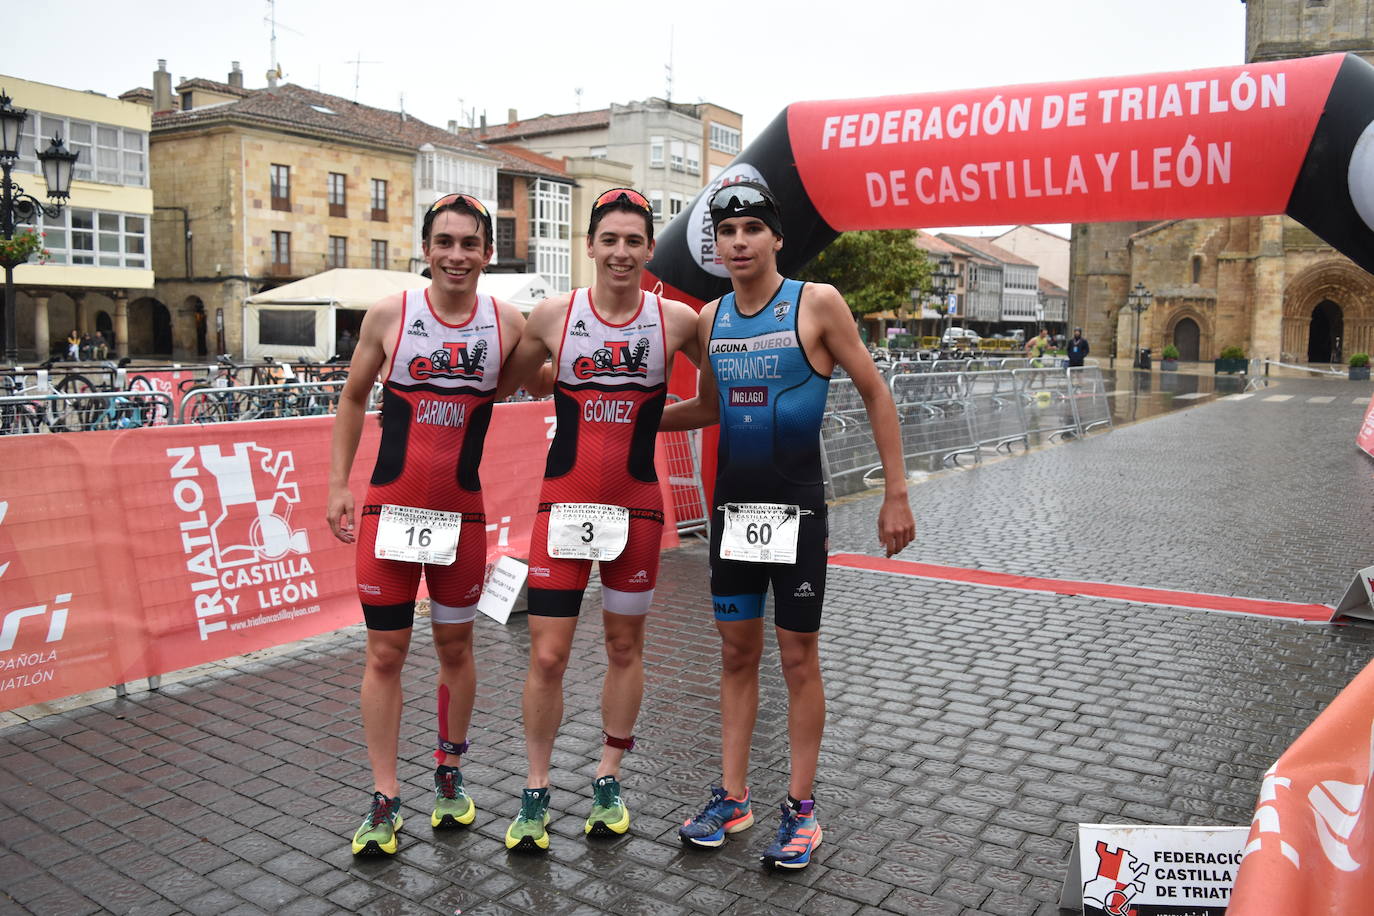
701,236
237,537
41,627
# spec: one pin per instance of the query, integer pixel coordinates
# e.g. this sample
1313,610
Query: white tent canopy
299,320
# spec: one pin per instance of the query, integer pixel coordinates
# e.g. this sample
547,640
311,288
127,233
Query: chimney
484,120
511,116
162,87
452,126
236,76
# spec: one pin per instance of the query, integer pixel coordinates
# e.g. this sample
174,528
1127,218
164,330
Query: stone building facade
1265,284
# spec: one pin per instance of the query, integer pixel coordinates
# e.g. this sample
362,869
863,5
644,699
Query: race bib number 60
587,531
760,533
418,535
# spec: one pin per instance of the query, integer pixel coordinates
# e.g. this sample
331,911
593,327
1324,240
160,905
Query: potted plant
1359,367
1232,359
1169,358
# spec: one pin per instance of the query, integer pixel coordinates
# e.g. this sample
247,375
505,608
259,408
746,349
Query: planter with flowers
1169,358
1359,367
1231,359
22,248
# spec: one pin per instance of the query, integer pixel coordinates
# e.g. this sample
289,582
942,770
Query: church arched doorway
1324,333
1188,340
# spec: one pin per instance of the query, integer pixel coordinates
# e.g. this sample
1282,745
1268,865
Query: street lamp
942,285
16,207
1138,300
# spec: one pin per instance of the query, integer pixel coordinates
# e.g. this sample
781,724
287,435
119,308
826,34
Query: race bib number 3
418,535
587,531
760,533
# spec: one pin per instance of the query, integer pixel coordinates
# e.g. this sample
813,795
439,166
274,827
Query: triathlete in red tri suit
439,352
612,347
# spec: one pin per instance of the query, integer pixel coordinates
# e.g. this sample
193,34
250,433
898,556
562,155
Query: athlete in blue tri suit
772,344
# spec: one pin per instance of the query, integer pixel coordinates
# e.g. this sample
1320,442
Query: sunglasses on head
450,199
628,195
737,197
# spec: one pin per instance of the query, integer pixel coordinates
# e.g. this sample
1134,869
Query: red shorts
387,588
627,582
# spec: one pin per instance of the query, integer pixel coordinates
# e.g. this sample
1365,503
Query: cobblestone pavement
969,729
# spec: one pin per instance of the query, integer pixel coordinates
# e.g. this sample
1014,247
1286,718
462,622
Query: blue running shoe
798,836
721,815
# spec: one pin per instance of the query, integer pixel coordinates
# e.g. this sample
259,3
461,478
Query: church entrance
1187,336
1324,333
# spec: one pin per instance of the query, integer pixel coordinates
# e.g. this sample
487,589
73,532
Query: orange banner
134,553
1311,846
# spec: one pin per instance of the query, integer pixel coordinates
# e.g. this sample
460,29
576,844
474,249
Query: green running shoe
377,834
609,815
527,832
452,806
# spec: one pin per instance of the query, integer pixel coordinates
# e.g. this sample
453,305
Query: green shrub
1358,360
1170,351
1233,353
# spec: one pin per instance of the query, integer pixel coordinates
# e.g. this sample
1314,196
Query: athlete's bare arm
839,339
376,337
680,321
704,409
512,329
538,342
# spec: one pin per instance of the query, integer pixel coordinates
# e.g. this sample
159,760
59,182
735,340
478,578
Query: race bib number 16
760,533
587,531
418,535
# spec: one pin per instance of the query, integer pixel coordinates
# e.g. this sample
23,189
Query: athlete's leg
381,703
623,689
741,648
457,683
801,668
542,705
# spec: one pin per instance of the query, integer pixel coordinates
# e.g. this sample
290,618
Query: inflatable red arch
1291,136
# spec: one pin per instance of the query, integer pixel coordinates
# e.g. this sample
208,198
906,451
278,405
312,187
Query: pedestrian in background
1078,348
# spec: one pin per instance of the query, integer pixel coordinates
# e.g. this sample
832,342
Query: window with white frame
550,211
106,154
446,173
656,152
675,202
677,151
693,157
656,198
97,237
725,139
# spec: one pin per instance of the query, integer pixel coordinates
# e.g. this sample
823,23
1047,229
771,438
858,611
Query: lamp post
1138,300
942,284
16,207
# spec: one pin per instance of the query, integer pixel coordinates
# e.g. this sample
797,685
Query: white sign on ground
1124,870
1358,600
504,579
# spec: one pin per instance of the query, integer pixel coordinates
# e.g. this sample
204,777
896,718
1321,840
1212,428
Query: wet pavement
969,728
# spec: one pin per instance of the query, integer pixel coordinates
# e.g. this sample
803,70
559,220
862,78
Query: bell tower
1276,29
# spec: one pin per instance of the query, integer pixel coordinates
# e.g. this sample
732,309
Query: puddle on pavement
1138,395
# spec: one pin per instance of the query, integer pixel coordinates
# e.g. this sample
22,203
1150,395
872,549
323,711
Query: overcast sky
448,60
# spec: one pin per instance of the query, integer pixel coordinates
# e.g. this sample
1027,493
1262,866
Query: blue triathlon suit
771,403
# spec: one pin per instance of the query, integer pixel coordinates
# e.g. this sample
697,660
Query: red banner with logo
134,553
1223,141
1365,438
1311,845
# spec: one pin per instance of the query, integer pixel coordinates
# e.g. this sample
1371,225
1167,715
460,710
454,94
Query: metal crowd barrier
1049,409
1088,398
847,449
260,402
998,409
936,417
946,417
682,453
